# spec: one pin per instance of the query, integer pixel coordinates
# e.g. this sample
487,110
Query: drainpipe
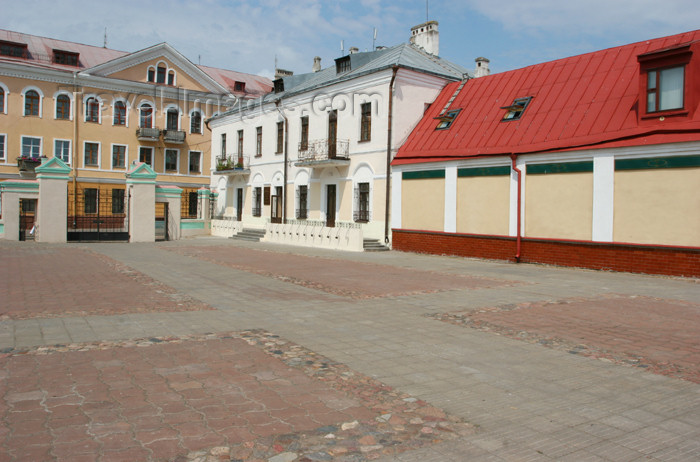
286,155
514,158
394,70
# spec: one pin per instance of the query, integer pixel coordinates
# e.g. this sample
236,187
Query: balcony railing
324,152
302,214
148,134
174,136
233,164
361,216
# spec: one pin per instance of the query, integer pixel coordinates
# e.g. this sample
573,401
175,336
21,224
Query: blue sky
247,35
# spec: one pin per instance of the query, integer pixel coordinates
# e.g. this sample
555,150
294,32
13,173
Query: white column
396,199
603,197
450,224
513,215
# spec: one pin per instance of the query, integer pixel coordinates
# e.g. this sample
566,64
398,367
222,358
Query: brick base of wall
673,261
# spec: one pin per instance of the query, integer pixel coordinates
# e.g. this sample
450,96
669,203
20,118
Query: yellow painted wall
660,206
483,204
344,200
139,73
423,204
379,200
314,201
559,206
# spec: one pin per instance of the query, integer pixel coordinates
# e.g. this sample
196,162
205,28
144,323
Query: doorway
277,206
239,204
27,217
330,206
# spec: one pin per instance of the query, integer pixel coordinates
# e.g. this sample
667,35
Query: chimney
426,36
317,64
282,73
482,67
354,50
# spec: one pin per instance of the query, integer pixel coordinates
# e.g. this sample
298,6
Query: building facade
308,162
100,110
590,161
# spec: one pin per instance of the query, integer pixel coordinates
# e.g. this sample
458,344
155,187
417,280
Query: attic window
663,79
14,49
515,110
445,120
239,86
68,58
279,85
342,64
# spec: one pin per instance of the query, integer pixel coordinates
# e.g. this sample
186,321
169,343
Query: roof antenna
105,42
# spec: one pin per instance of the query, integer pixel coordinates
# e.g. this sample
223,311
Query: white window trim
179,116
128,109
155,71
7,93
153,116
189,156
99,109
41,100
41,144
70,150
138,158
111,154
55,103
99,155
165,161
201,120
4,147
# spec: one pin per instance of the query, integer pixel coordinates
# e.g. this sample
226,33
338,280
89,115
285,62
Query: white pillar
450,222
603,197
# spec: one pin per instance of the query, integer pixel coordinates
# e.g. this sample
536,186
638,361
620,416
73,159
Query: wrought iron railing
302,214
361,216
232,162
174,136
147,133
319,150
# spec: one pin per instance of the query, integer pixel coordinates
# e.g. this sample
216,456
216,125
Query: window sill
364,141
670,113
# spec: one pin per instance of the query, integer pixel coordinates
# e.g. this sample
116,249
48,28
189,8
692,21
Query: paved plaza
212,349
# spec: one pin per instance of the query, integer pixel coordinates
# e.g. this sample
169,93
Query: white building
311,157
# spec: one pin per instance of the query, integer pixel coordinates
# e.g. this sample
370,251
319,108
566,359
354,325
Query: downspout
286,155
394,70
514,158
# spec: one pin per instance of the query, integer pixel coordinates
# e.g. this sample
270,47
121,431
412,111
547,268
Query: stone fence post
141,184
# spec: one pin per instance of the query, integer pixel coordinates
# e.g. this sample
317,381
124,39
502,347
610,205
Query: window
68,58
304,144
240,143
171,160
90,200
160,76
92,110
118,156
61,150
31,103
2,147
257,199
195,162
171,78
118,200
31,147
193,203
13,49
366,122
362,213
278,85
515,110
446,119
342,64
151,74
63,107
119,113
239,86
302,201
196,122
2,100
223,144
258,141
280,137
665,89
171,119
92,154
146,155
146,116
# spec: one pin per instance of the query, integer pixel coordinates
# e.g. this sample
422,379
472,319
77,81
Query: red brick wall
674,261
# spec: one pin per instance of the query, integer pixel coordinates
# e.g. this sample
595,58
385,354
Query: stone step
373,245
249,234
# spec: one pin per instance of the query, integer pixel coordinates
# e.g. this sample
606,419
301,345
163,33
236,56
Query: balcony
233,165
324,153
147,134
174,136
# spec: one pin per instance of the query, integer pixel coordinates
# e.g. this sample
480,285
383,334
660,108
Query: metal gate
27,217
98,213
162,221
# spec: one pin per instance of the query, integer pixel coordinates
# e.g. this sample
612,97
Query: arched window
160,76
171,119
119,113
31,103
92,110
146,117
171,78
2,99
196,122
151,74
63,107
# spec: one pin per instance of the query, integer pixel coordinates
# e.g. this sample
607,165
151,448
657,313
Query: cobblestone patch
86,283
655,334
247,396
338,277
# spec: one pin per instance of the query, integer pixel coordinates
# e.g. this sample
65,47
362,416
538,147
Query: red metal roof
590,100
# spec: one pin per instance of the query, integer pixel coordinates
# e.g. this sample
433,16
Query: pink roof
584,101
255,85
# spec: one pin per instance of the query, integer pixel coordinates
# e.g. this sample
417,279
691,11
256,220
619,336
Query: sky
251,36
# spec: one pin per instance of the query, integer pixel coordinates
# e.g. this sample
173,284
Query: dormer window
239,86
663,79
515,110
278,85
446,119
342,64
68,58
13,49
665,89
